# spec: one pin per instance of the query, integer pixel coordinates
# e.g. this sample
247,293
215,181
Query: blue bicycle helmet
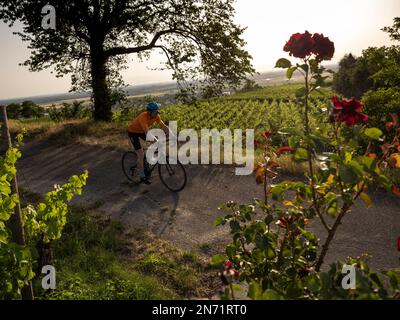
153,106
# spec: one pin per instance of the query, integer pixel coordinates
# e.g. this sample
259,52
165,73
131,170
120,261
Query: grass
186,272
102,134
99,258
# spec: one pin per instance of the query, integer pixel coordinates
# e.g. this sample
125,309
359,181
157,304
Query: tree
250,85
376,68
394,31
92,39
27,109
353,76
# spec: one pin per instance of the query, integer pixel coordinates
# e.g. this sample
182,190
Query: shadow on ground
187,218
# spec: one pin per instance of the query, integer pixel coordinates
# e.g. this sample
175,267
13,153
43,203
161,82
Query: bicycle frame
151,167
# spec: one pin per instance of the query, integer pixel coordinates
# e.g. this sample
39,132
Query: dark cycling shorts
134,137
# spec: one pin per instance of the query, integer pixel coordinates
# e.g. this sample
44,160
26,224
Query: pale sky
352,25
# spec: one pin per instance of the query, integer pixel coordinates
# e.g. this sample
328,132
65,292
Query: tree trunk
101,93
45,255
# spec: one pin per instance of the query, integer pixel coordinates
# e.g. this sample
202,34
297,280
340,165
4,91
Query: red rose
323,47
348,111
300,45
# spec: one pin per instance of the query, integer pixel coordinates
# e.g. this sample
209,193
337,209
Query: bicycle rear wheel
173,176
129,165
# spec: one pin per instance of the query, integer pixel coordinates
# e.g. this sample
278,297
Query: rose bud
267,134
228,265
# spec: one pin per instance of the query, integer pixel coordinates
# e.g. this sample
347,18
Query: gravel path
187,218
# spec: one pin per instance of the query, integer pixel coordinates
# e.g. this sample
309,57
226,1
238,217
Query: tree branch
122,50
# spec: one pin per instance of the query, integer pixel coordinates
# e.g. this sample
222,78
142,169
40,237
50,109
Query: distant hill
263,78
58,98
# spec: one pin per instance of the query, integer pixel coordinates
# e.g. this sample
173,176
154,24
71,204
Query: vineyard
270,108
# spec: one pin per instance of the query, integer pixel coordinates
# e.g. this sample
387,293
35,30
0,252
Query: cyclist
137,130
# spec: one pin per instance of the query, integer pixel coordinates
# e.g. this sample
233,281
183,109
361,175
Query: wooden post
3,140
15,222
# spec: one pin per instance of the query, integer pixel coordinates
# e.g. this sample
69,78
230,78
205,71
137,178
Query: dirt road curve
187,218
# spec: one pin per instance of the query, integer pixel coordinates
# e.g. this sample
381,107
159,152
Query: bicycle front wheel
173,176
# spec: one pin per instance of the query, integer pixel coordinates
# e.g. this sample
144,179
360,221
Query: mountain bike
173,176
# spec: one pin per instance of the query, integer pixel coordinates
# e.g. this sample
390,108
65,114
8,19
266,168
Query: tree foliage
201,43
376,68
352,78
27,109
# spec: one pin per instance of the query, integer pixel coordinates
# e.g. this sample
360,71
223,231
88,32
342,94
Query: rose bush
272,248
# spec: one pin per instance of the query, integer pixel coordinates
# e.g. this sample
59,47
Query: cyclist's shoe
145,180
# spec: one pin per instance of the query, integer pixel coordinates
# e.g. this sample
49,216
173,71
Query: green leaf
270,253
394,277
270,295
219,221
283,63
384,182
347,174
277,193
367,200
304,67
357,168
332,204
373,133
217,260
230,250
368,163
293,142
301,154
319,138
235,226
290,71
261,241
313,283
254,291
